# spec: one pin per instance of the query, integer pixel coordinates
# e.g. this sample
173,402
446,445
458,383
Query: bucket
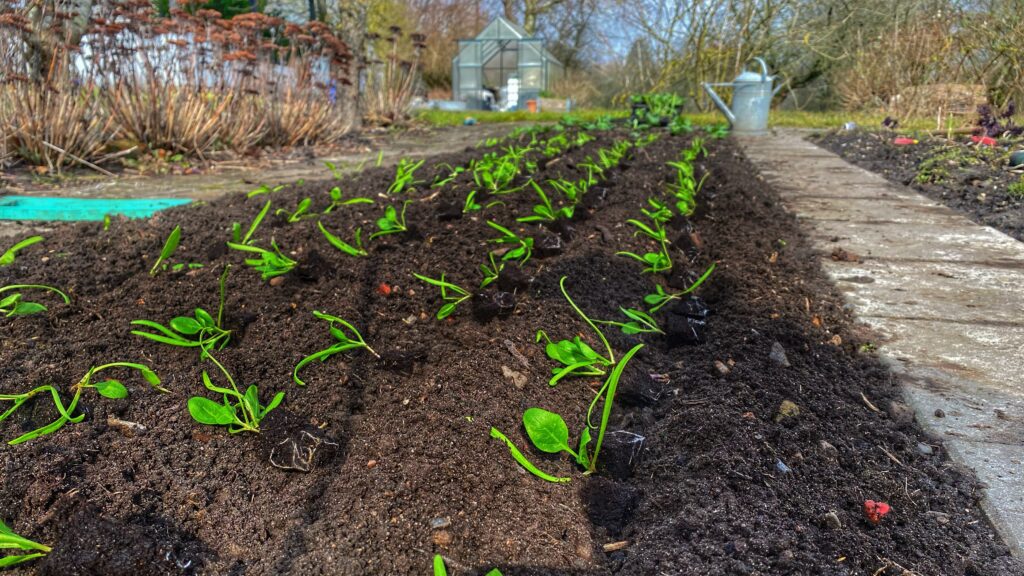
531,105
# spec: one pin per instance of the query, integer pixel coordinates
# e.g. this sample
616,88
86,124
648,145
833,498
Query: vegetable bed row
504,169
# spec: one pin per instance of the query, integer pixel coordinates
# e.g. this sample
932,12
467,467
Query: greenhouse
503,66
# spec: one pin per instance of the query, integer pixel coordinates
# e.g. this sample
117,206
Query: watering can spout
720,104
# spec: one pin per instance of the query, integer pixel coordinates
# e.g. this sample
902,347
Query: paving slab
943,295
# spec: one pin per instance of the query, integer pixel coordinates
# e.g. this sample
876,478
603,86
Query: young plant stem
611,385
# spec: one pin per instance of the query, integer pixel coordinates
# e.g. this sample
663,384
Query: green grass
448,118
779,118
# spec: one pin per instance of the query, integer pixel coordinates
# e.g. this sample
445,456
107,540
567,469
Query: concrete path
945,295
239,178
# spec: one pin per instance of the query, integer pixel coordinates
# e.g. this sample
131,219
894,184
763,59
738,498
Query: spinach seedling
393,221
491,272
451,294
236,228
170,245
200,331
345,247
573,191
13,305
239,412
659,213
524,246
639,322
549,433
108,389
471,205
576,356
300,211
660,298
336,172
29,550
545,212
441,181
659,261
345,342
405,173
270,263
264,189
337,200
7,258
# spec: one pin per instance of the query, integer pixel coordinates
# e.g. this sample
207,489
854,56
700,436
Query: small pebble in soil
721,367
924,449
277,280
778,355
440,523
787,409
940,517
518,378
828,450
781,467
371,464
832,521
939,413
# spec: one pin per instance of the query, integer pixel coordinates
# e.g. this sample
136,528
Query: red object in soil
983,140
875,510
902,141
384,288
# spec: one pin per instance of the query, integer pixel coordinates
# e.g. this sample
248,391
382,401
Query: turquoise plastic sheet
47,208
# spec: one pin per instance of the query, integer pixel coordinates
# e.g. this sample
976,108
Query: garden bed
965,176
762,435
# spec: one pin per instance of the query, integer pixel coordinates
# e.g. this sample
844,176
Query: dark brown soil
698,477
970,178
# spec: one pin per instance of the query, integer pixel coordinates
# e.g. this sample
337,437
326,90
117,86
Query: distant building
503,52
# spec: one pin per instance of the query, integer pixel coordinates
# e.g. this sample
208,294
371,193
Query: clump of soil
698,474
967,177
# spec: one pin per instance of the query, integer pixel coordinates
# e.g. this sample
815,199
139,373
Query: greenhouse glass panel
501,52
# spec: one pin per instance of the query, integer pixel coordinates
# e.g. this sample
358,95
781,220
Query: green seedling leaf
660,298
345,247
523,461
187,326
170,245
439,569
206,411
200,332
7,258
111,389
447,288
347,337
108,388
524,248
264,189
237,228
609,388
393,222
270,263
10,540
547,430
582,457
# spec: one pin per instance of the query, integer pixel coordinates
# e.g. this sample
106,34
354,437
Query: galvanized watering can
751,100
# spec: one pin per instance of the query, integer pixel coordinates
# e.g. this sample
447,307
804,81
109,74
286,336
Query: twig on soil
615,546
868,402
516,353
891,457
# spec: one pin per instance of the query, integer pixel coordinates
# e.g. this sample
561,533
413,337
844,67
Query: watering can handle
764,68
